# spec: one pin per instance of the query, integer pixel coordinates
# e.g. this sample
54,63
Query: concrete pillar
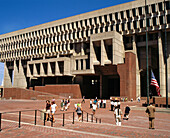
67,67
161,66
57,71
82,49
41,70
103,53
49,71
22,78
34,70
16,75
7,79
138,88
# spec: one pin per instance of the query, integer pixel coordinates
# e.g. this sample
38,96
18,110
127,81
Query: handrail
91,116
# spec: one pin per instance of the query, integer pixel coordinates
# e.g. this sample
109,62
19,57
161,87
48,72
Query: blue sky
19,14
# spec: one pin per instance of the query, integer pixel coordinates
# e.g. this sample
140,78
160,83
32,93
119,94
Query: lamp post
147,72
165,52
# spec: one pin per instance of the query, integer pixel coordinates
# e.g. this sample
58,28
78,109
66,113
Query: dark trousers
90,105
151,122
104,105
83,101
112,106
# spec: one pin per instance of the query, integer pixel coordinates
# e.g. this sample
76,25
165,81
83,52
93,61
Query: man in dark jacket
151,114
127,111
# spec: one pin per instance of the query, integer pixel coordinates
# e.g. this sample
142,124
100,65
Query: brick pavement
136,126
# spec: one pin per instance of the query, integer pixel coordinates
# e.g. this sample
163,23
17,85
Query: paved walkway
136,126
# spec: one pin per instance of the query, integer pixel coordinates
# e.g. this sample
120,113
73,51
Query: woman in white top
53,110
94,108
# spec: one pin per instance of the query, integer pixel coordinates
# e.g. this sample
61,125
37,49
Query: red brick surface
136,126
127,73
62,90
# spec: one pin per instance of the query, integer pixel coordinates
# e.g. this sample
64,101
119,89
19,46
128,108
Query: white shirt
115,104
90,102
104,101
112,103
94,106
53,107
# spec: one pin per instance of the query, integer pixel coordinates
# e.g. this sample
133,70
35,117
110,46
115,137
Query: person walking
94,108
62,105
83,101
127,111
112,105
65,105
90,103
118,115
53,110
150,110
48,105
79,111
104,103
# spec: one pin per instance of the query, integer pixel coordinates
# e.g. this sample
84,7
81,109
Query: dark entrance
114,87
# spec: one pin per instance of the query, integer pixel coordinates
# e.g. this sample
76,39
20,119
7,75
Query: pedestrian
118,115
65,105
96,98
94,108
68,105
150,110
104,103
83,101
139,99
90,103
100,103
127,111
79,111
48,105
112,105
53,110
62,105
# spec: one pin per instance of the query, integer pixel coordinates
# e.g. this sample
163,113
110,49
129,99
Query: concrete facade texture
103,45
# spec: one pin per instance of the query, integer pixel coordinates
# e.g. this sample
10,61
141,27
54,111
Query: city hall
102,53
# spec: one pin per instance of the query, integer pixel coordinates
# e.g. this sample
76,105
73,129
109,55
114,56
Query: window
140,10
160,6
153,8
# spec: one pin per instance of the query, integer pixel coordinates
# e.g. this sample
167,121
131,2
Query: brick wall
127,73
72,90
19,93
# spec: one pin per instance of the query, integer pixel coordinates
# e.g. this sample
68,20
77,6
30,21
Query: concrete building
103,51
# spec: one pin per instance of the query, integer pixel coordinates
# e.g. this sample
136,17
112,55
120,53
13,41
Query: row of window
90,22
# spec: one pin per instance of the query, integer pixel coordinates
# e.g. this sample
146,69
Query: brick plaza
136,126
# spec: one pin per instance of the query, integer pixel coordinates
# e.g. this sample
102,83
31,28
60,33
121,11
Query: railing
14,117
93,118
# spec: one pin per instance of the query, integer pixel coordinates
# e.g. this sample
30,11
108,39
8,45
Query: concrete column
67,67
49,71
138,88
16,75
22,78
41,70
103,53
57,71
92,55
34,70
161,66
7,79
82,49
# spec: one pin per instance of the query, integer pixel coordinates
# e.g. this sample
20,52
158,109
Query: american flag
155,83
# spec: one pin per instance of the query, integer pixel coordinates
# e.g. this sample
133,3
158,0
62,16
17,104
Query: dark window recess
154,21
73,35
100,19
116,16
127,13
140,10
90,21
153,8
87,33
71,46
123,27
167,5
76,64
135,24
161,20
77,34
117,27
168,18
105,18
101,29
59,48
91,31
45,67
122,14
38,68
141,23
61,66
82,34
96,30
95,20
110,15
31,69
52,64
134,12
111,27
146,9
87,64
106,28
160,6
129,26
148,22
81,64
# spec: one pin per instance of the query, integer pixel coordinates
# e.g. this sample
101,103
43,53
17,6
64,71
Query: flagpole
166,73
147,72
